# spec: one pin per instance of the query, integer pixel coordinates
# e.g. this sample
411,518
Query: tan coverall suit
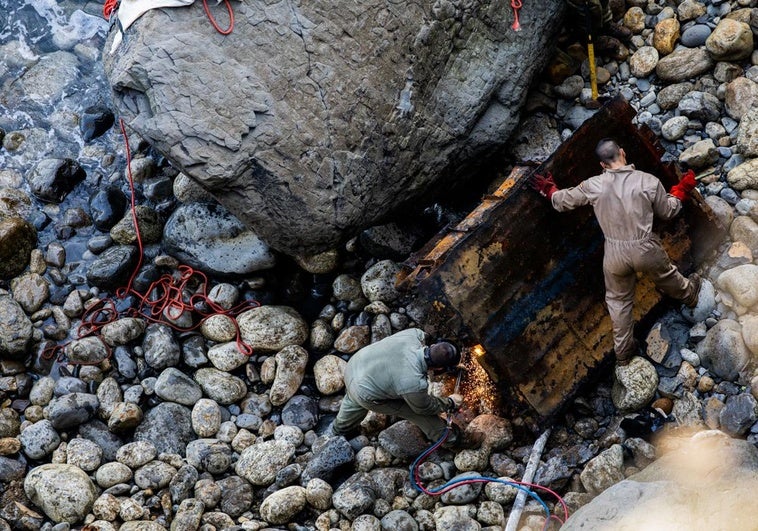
390,377
625,201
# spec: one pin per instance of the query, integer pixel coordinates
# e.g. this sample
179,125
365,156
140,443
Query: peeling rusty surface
526,282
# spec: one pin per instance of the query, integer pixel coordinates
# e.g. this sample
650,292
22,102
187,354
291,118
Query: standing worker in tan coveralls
625,201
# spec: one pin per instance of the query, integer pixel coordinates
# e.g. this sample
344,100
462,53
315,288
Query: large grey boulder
311,119
671,493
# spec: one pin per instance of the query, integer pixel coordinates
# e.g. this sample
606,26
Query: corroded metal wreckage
525,282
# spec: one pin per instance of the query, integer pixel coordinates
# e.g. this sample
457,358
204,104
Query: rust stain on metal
525,282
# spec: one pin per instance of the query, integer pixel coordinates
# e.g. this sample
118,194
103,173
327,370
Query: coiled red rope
111,5
165,301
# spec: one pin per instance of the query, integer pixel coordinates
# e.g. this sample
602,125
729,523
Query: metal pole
531,468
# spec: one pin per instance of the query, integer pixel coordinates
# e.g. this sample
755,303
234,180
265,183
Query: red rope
166,300
516,5
108,8
226,31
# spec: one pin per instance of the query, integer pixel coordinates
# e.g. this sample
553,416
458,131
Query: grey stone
260,161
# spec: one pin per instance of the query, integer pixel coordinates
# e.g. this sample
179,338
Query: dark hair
607,150
444,354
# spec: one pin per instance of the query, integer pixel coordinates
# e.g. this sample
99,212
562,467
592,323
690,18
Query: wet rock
300,411
154,475
634,384
355,496
730,41
271,328
334,453
489,431
403,439
182,484
39,439
113,267
52,180
175,386
644,61
745,230
207,237
700,106
390,240
352,339
290,370
209,455
72,410
11,470
17,239
260,463
328,373
86,350
136,454
123,331
15,328
206,417
220,386
747,136
675,128
281,506
221,329
236,496
604,470
30,291
670,96
106,206
95,121
168,426
150,227
64,492
741,96
723,351
160,347
665,35
465,493
739,414
84,454
378,282
399,520
683,64
110,474
455,518
98,432
741,283
188,515
346,287
696,35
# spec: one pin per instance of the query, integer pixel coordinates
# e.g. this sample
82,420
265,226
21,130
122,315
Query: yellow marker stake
593,69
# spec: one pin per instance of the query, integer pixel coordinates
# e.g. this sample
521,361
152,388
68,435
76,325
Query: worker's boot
690,301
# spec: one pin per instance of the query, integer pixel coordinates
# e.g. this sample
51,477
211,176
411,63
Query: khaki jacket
625,202
392,369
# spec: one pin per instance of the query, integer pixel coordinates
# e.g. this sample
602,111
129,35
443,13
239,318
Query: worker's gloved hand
544,184
454,402
685,186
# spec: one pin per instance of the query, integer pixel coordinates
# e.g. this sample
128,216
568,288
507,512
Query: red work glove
685,186
544,184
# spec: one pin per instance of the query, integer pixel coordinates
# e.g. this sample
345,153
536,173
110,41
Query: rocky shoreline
154,428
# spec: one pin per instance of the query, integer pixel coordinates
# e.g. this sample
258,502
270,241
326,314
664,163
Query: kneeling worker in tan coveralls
625,201
390,377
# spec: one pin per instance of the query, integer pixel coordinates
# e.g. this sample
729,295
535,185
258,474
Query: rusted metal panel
526,282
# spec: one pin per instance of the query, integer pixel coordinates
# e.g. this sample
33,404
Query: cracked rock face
310,120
